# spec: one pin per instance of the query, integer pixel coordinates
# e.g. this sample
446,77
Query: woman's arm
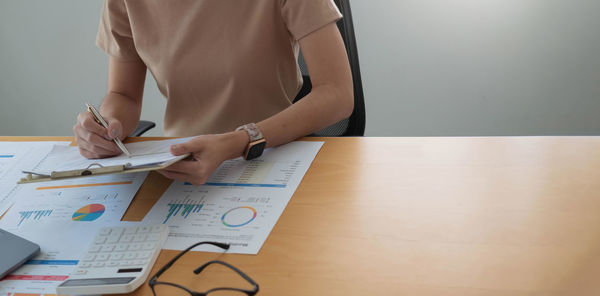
331,100
121,108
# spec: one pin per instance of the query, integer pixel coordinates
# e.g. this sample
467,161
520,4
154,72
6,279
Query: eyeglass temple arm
242,274
164,268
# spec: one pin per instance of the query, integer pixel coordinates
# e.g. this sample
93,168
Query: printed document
15,157
88,201
239,204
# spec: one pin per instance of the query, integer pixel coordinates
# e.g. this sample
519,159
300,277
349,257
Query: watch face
256,150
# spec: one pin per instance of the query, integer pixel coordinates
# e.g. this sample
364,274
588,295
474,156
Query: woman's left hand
207,153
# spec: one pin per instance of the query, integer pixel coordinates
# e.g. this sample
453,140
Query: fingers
87,122
96,151
189,171
115,128
93,139
190,146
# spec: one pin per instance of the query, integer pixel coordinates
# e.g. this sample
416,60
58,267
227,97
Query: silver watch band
252,131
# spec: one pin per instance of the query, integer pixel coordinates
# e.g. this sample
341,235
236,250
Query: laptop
14,252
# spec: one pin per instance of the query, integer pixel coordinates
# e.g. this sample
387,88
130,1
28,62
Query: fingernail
175,149
114,132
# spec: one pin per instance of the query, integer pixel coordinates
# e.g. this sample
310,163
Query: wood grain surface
423,216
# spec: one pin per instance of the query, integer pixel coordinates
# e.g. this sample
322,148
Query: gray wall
430,67
50,66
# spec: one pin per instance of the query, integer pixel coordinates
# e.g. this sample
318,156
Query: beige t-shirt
219,63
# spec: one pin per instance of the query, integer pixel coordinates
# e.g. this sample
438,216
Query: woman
228,69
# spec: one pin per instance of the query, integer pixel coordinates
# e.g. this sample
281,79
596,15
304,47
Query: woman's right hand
93,139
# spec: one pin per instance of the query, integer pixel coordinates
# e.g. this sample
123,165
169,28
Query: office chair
142,127
351,126
355,124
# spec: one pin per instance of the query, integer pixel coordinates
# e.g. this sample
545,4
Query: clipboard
96,169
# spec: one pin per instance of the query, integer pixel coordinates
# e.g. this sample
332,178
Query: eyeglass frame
153,280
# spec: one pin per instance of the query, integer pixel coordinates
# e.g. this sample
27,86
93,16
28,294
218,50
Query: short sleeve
303,17
114,32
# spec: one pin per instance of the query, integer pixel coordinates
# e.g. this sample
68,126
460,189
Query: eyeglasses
175,289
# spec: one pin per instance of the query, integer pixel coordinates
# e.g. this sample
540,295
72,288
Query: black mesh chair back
355,124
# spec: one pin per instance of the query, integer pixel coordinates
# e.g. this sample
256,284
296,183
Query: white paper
240,203
143,153
89,201
15,157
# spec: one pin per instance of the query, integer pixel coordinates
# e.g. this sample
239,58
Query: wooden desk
427,216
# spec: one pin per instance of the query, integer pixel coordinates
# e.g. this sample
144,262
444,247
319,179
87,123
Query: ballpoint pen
99,119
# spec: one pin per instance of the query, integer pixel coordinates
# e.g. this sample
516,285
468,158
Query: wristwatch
257,142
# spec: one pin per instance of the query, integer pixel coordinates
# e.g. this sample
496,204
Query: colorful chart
238,217
90,212
187,206
35,215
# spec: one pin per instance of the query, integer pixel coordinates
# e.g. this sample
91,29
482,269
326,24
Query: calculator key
105,231
134,247
121,247
143,229
140,262
116,256
100,240
127,263
148,246
126,238
88,257
98,264
129,256
80,272
108,248
130,230
118,230
112,264
102,257
144,255
156,228
113,238
85,265
153,237
94,249
139,237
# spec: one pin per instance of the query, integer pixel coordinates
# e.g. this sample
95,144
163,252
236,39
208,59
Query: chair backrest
355,124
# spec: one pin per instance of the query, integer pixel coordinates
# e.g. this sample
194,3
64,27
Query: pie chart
90,212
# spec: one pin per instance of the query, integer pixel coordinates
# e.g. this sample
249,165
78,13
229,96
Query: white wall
480,67
429,67
49,67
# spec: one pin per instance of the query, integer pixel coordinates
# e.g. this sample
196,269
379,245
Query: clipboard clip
90,170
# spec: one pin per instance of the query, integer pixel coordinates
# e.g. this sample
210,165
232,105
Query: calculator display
97,282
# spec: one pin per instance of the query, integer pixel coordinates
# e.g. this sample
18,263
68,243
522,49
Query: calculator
118,260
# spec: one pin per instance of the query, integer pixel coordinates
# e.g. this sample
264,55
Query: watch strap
252,130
